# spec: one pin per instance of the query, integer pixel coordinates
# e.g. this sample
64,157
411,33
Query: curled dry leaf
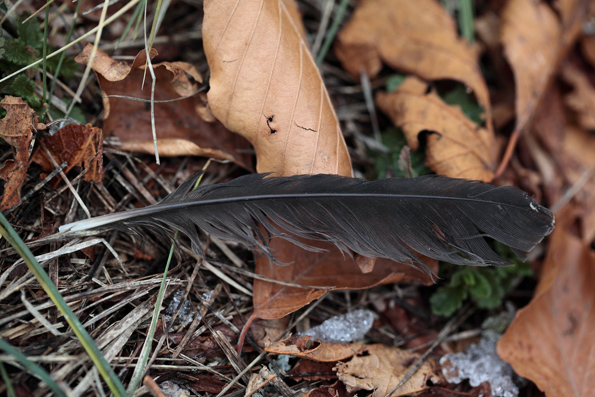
550,341
179,130
381,370
531,39
78,145
265,86
306,347
457,147
418,37
15,129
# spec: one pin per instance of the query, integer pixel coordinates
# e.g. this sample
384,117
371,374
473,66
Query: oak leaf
179,130
15,129
456,146
550,341
418,37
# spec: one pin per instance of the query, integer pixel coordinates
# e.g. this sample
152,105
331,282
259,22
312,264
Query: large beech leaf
550,341
266,87
457,147
417,37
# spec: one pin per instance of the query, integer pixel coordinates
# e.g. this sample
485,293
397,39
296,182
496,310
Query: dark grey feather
443,218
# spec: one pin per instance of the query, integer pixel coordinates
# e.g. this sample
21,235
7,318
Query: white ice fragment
170,389
283,362
186,314
344,328
480,363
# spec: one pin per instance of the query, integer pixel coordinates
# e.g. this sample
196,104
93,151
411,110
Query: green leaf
459,96
394,82
76,113
447,300
30,33
387,164
22,86
481,288
19,54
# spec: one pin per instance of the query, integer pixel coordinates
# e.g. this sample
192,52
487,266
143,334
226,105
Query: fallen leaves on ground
15,129
418,37
381,369
531,39
456,146
78,145
582,97
266,87
179,131
306,347
550,341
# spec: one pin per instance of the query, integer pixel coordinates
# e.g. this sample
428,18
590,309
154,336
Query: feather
443,218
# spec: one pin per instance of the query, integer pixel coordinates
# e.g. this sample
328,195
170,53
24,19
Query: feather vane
443,218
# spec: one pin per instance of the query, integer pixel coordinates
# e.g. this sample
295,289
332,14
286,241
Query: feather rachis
439,217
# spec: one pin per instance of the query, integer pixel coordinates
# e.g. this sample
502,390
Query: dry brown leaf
311,370
531,39
179,131
266,87
550,341
337,389
306,347
582,98
320,269
418,37
588,48
15,129
381,370
457,147
78,145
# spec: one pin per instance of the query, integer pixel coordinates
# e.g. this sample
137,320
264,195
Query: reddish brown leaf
322,269
337,389
311,370
458,147
418,37
550,341
306,347
179,131
15,129
381,370
79,146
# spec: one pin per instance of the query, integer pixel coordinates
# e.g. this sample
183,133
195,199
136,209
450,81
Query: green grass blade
144,355
87,342
31,366
332,32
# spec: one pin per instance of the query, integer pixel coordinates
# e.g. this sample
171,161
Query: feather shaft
443,218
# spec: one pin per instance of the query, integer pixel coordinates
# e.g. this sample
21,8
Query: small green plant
23,50
387,165
484,286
